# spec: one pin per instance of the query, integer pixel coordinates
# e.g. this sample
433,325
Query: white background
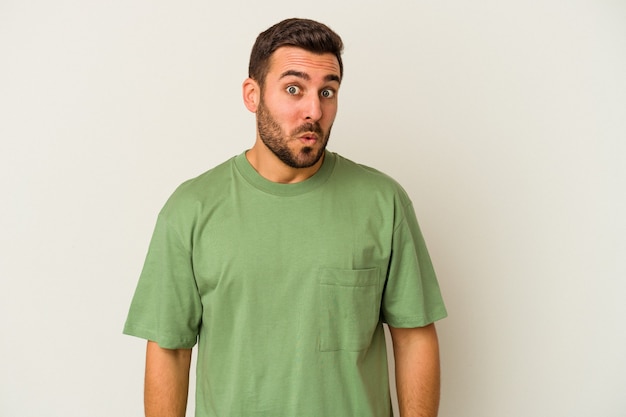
504,120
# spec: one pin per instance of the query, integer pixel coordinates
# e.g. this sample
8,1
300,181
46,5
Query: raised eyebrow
332,77
307,77
295,73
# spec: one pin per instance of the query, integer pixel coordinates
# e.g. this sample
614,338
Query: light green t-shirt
286,287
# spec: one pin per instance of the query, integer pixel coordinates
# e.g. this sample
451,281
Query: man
284,262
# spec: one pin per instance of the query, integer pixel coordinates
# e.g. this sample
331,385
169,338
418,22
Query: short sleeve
412,297
166,306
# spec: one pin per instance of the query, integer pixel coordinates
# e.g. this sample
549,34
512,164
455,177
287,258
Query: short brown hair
307,34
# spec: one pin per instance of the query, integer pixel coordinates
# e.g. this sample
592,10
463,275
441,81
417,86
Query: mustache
309,127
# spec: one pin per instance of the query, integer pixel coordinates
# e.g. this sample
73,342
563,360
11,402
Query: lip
308,138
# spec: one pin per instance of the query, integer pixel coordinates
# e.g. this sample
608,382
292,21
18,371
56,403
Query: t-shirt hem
418,321
164,341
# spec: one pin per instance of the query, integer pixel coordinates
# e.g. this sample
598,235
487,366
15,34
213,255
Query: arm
416,353
167,381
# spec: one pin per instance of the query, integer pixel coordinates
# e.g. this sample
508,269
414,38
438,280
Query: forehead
290,58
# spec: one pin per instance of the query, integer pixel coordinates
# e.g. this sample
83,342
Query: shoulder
201,190
367,179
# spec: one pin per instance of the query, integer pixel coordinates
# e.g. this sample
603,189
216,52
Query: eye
293,90
327,93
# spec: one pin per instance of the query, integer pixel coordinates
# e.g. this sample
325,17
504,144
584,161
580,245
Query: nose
313,108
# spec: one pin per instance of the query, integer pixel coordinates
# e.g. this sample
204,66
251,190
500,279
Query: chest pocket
350,308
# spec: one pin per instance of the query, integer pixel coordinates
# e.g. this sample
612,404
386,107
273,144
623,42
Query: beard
272,135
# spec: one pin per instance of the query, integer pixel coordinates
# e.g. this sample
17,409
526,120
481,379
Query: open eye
293,90
327,93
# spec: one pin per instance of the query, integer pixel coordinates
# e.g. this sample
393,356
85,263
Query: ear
251,94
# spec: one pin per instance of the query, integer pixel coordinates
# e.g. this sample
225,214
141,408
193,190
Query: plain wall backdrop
504,120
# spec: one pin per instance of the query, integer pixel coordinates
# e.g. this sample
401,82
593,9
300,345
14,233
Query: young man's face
298,105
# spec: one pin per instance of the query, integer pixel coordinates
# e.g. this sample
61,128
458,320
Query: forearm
416,354
167,381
